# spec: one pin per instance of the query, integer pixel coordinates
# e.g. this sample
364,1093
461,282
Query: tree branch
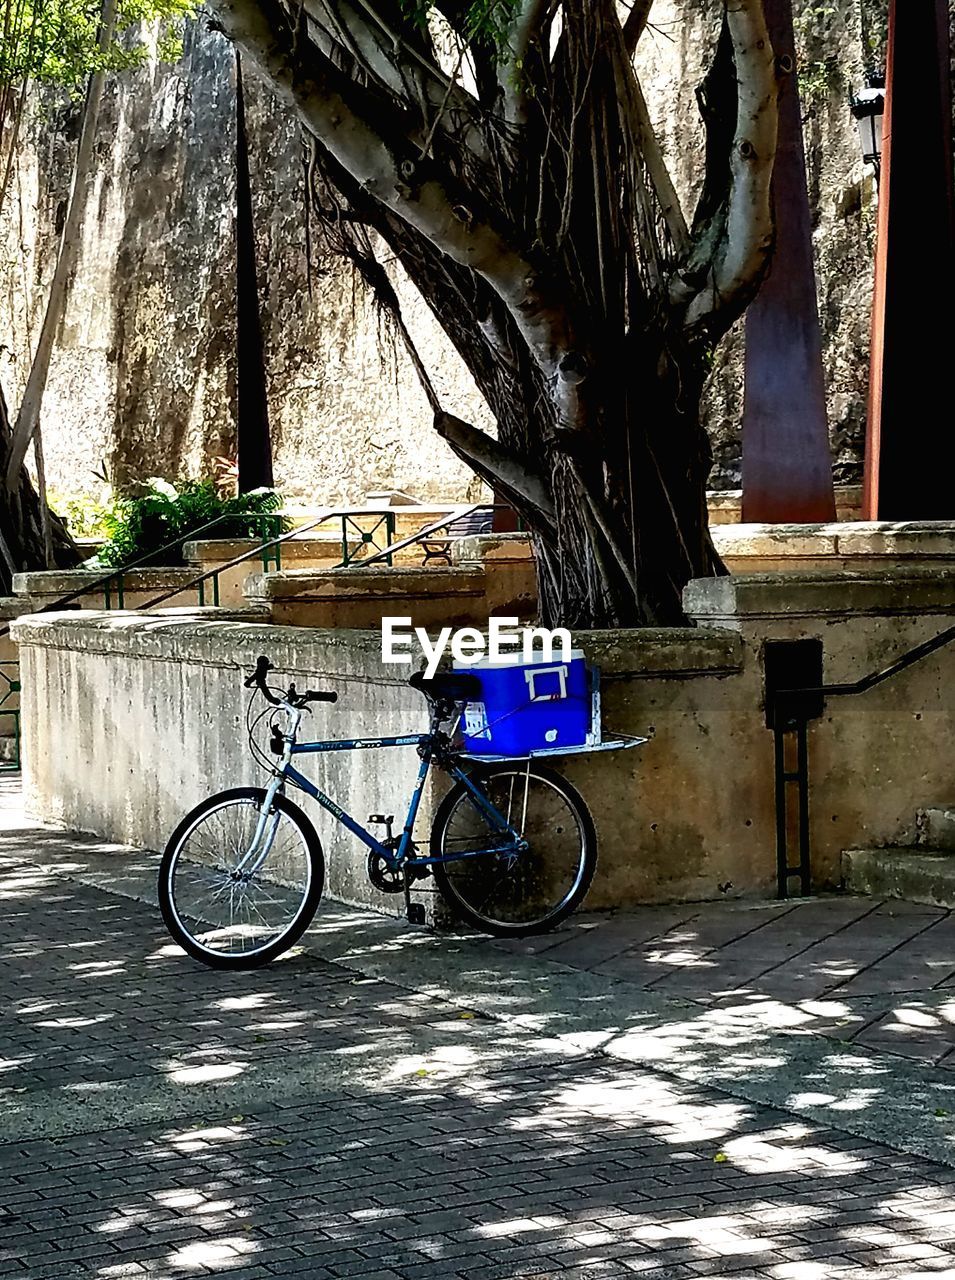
358,28
733,234
389,168
657,170
636,24
530,18
490,459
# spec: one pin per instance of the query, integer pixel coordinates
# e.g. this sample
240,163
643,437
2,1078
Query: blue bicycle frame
396,857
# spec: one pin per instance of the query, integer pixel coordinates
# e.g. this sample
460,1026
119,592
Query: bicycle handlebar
257,680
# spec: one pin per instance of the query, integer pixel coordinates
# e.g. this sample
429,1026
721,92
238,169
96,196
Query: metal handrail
257,551
908,659
378,556
424,533
790,712
101,584
270,544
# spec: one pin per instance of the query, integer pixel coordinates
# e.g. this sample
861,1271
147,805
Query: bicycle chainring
384,878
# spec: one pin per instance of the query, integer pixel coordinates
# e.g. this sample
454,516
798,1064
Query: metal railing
274,545
423,534
9,688
114,586
381,555
789,711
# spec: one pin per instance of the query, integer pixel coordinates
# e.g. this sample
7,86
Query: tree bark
21,523
29,414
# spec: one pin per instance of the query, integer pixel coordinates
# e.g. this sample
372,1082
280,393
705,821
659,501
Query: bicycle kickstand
414,911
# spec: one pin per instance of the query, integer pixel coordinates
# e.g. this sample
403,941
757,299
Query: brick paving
260,1158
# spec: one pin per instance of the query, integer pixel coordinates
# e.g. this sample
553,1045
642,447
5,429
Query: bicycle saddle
450,686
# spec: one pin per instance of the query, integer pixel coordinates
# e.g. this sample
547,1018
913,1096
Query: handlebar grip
316,695
262,668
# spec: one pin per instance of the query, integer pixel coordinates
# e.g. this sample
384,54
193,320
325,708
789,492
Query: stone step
936,828
916,875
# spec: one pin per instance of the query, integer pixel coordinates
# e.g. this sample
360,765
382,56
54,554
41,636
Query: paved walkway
392,1104
875,973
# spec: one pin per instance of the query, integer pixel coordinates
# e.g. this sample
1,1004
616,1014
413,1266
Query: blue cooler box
543,705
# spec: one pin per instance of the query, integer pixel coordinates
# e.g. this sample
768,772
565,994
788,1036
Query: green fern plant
154,525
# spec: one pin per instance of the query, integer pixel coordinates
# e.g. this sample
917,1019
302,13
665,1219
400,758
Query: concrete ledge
166,696
12,607
724,601
835,548
44,587
362,597
206,635
899,873
307,546
199,635
480,547
60,581
647,653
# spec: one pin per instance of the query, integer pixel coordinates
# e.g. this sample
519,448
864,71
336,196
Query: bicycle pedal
416,913
382,820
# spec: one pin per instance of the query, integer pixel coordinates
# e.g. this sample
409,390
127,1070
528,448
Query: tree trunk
29,415
536,217
21,523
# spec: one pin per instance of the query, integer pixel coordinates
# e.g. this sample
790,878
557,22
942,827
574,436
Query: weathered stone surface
167,696
787,598
144,374
360,598
859,547
901,873
132,589
936,828
875,758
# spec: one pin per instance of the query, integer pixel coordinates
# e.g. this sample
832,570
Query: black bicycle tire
302,920
588,833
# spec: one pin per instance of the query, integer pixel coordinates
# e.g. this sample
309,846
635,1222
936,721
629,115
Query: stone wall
690,815
148,340
144,374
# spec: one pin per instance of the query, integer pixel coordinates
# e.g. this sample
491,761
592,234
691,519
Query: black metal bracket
793,676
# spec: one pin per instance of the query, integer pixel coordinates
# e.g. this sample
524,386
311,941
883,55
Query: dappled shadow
305,1119
589,1170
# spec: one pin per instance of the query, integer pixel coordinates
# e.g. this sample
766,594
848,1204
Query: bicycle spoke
223,910
501,883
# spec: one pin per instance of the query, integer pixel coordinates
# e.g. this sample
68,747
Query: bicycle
512,849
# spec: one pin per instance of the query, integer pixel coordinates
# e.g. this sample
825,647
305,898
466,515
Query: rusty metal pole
787,469
910,443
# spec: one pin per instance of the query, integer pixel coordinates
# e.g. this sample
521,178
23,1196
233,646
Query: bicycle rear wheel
230,901
501,890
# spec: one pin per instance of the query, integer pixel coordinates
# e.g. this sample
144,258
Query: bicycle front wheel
492,882
237,886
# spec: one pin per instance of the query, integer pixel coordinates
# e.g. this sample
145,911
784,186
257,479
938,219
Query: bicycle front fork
265,830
